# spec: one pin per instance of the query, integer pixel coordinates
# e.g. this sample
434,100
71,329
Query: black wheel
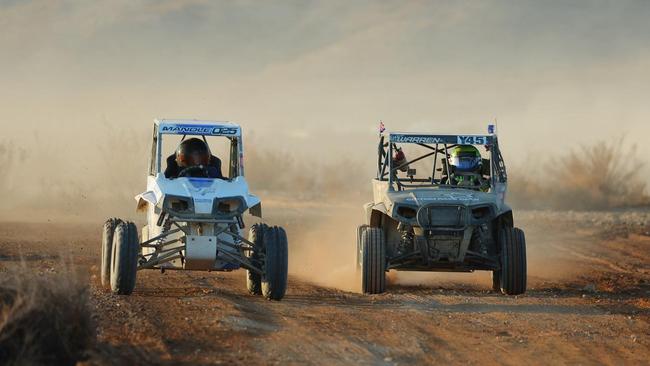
124,261
276,259
373,260
254,280
513,261
107,251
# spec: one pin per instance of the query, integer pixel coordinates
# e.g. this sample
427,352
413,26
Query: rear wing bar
385,168
414,138
199,129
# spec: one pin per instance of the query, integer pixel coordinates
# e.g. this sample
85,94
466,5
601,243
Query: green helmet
465,158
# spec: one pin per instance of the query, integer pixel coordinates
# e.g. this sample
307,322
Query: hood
202,190
456,196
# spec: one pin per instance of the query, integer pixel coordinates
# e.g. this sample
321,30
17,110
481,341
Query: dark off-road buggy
421,219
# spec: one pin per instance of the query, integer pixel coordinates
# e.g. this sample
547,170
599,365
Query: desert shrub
6,159
44,319
10,155
604,175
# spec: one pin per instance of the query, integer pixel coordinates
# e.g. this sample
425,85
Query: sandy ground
588,303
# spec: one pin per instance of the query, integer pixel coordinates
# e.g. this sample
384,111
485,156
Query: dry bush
44,319
124,155
6,160
96,188
10,155
604,175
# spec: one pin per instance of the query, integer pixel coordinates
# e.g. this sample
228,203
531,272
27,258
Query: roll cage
201,129
436,145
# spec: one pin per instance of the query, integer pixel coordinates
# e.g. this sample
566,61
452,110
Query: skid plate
200,252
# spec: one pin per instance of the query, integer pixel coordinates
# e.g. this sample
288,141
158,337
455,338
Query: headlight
178,205
406,212
482,212
228,206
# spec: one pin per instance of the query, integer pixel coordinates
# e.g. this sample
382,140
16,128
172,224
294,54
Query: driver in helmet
399,159
193,159
466,168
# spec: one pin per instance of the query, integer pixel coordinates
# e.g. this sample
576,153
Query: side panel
374,213
379,189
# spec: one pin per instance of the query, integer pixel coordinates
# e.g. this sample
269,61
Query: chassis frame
165,251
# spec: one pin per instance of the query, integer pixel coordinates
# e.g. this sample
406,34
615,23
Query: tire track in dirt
575,253
127,334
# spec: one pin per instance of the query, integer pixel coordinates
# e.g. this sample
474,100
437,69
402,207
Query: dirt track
588,303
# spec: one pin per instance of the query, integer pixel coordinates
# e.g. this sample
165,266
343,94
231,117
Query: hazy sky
302,74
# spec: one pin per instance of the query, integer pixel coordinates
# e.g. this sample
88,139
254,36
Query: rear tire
254,280
276,259
373,260
513,261
107,251
126,248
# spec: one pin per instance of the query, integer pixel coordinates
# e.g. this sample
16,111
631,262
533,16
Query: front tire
124,261
276,259
513,261
107,251
254,280
373,260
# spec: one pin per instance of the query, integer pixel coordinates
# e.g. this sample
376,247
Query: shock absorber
481,239
406,239
165,228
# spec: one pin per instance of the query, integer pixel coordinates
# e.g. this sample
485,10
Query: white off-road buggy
195,222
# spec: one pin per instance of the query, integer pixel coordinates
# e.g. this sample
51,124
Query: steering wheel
196,171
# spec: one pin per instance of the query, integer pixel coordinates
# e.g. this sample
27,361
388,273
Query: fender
256,210
504,219
143,199
374,213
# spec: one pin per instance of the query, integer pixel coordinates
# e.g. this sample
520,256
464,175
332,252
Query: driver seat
172,170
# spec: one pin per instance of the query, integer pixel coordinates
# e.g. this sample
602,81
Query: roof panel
197,127
194,122
426,138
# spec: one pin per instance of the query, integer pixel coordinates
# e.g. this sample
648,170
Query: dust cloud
323,245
